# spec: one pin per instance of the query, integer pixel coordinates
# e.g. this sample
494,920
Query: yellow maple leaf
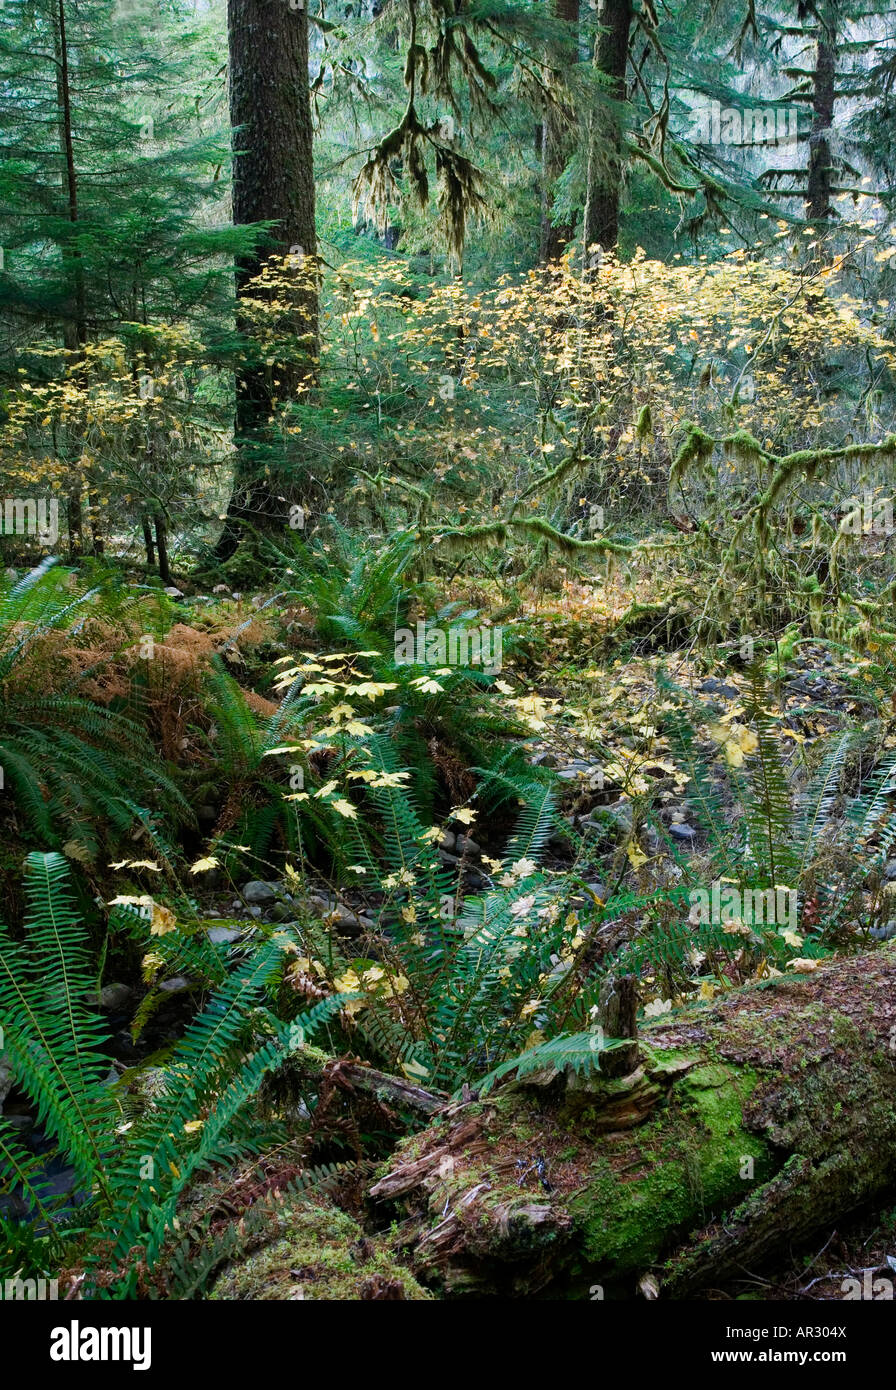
202,866
415,1071
657,1007
736,740
636,856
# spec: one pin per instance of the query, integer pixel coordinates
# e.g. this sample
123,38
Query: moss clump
318,1252
626,1224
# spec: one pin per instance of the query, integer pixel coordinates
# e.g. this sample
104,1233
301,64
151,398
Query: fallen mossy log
746,1126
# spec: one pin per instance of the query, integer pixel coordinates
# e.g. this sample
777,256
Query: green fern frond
581,1052
768,800
54,1041
816,803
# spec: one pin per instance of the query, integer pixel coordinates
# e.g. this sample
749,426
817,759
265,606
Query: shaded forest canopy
447,629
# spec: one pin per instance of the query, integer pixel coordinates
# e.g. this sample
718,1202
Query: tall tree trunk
556,141
818,201
148,541
74,329
66,137
605,152
94,510
273,180
162,547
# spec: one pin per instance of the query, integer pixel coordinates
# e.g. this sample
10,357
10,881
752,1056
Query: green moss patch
643,1193
321,1253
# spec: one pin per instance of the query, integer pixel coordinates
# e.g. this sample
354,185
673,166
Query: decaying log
393,1090
618,1017
316,1068
748,1124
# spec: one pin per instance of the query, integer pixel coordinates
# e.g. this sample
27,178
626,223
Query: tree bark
66,138
162,547
747,1126
818,202
358,1076
74,328
148,541
556,141
273,180
617,1015
605,141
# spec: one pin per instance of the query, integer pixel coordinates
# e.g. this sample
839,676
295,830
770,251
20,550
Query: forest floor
595,702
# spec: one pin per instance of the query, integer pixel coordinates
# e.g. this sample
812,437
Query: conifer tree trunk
273,180
605,156
148,541
74,328
162,547
63,92
555,149
818,201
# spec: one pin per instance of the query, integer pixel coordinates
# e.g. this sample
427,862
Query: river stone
260,894
343,919
348,922
620,811
5,1077
222,936
717,687
22,1124
111,996
176,985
